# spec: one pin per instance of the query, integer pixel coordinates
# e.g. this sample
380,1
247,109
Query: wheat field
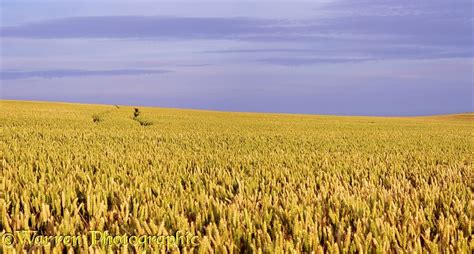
241,182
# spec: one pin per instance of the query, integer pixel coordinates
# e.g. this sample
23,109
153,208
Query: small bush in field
142,121
96,118
136,113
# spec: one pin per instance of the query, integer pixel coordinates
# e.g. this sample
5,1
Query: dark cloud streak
9,75
294,61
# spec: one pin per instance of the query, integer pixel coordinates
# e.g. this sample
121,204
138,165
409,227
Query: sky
345,57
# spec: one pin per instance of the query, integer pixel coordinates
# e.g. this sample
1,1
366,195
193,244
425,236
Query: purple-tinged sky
374,57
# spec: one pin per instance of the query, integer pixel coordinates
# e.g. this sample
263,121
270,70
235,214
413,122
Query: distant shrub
96,118
143,122
140,120
136,113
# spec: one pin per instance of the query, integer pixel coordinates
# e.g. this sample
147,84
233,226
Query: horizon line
230,111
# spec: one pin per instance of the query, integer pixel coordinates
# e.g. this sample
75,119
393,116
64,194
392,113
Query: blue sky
372,57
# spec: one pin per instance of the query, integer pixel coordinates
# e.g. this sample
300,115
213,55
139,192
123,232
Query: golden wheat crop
242,182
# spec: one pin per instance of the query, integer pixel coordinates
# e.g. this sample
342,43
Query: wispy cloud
140,27
343,53
295,61
7,75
